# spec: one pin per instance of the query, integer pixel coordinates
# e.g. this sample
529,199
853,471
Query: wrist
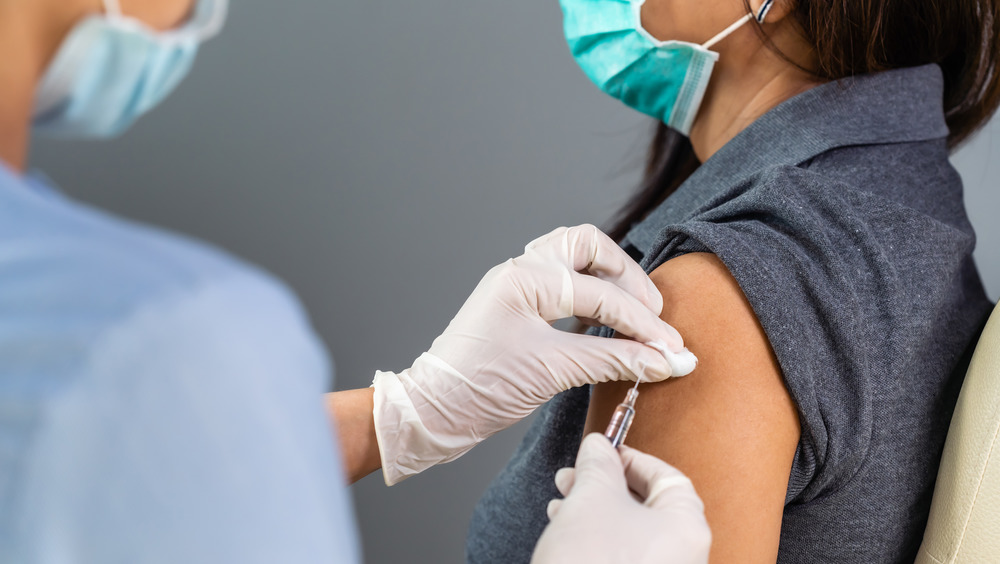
418,418
351,413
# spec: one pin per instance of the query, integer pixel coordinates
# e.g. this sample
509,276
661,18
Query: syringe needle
638,379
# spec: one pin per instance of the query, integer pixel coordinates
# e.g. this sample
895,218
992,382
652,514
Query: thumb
598,467
564,480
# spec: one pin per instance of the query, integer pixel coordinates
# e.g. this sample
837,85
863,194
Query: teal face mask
111,69
662,79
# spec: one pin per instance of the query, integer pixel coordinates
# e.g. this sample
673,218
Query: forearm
351,414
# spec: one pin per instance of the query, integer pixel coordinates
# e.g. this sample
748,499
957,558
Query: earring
764,9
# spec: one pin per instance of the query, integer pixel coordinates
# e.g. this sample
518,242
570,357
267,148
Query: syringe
622,419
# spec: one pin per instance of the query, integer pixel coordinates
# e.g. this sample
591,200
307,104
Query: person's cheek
659,19
693,21
161,15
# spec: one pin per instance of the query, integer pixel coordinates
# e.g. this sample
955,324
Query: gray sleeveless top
842,220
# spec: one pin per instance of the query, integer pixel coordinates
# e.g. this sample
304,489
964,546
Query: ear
771,11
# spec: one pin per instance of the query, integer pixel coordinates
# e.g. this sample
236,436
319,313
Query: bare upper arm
731,424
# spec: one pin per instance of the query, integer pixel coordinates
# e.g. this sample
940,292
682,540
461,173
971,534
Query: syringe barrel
620,422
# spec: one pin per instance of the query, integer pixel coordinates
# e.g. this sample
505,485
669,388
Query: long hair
855,37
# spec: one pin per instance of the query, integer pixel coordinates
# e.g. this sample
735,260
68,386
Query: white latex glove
600,520
500,358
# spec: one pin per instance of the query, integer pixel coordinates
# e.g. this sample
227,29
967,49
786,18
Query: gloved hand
500,358
601,521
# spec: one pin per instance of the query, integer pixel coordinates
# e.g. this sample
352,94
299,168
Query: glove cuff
406,446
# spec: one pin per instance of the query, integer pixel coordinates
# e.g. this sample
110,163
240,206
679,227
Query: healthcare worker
160,400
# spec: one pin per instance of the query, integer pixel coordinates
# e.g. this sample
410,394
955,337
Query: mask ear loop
210,16
726,32
761,14
205,21
112,8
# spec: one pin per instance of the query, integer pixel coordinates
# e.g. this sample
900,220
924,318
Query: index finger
586,249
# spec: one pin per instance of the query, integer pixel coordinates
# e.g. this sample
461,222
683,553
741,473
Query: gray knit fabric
842,220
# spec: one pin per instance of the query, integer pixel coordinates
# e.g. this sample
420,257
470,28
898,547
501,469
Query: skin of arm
731,425
351,414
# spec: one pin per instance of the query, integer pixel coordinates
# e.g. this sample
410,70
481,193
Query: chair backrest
964,524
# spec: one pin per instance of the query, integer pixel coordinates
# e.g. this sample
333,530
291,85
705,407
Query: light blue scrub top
160,401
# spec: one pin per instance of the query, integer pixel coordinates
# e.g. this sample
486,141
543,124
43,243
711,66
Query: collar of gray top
897,106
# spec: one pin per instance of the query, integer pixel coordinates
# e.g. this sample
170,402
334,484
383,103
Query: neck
743,88
31,35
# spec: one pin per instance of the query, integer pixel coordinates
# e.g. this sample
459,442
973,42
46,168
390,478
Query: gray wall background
380,158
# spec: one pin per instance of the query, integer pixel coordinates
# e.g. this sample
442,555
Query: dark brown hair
853,37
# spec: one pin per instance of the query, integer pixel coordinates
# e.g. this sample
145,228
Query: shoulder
911,186
916,175
835,214
69,263
846,275
192,426
157,387
95,305
697,279
703,301
79,283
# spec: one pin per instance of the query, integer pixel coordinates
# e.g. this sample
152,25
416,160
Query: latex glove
500,358
601,521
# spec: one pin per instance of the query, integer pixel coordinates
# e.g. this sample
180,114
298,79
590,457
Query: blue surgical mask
111,69
663,79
